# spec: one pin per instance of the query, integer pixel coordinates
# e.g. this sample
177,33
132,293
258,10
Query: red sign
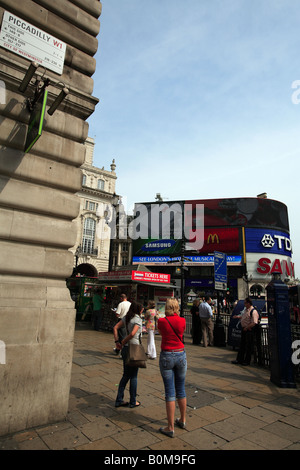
266,266
225,240
150,277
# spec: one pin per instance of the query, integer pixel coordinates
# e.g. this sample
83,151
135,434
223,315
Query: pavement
230,407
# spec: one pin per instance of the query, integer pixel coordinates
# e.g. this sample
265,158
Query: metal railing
262,352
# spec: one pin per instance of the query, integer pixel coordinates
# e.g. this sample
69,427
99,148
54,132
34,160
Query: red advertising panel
226,240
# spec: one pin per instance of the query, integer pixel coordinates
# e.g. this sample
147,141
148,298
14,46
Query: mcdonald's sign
213,238
226,240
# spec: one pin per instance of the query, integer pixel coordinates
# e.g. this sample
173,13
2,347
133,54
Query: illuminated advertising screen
160,227
243,212
268,241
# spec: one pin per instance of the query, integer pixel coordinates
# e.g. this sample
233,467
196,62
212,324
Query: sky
200,100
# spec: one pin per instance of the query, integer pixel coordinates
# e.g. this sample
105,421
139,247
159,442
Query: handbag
136,356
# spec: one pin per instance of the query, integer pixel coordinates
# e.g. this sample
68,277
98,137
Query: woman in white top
133,326
150,317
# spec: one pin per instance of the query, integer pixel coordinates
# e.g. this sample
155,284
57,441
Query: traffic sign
220,265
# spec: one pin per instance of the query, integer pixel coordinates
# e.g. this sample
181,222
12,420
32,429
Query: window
83,180
100,184
88,235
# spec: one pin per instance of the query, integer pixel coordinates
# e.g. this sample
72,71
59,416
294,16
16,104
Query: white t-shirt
123,308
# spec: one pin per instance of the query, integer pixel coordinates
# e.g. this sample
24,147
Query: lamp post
112,223
78,252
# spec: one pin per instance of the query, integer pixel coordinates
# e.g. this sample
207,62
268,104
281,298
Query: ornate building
97,197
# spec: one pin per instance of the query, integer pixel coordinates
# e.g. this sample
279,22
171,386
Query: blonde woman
150,317
173,364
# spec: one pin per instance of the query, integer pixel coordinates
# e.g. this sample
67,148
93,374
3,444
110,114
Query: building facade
97,196
47,61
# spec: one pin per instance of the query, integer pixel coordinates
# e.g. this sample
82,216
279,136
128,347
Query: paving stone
282,429
203,440
135,439
65,439
101,427
241,444
263,414
84,361
107,443
211,414
226,430
268,440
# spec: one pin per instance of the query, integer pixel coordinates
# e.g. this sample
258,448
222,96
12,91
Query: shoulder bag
136,356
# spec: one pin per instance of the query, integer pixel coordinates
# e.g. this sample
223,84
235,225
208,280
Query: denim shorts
173,366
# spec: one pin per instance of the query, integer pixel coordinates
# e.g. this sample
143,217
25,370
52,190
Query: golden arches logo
213,238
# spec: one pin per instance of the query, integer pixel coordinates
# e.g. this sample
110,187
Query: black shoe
235,362
245,363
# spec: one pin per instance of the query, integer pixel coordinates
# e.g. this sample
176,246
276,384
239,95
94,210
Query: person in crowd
150,318
173,364
132,323
97,308
121,311
207,326
249,320
196,323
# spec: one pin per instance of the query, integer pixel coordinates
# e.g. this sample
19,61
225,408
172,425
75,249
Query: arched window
88,235
256,290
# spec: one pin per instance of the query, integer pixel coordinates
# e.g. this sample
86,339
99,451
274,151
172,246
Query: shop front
139,284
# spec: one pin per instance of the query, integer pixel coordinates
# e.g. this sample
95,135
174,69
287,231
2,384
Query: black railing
263,356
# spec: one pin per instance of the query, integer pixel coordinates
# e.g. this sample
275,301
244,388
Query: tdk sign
268,241
158,245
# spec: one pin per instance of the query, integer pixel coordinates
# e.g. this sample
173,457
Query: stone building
38,202
92,247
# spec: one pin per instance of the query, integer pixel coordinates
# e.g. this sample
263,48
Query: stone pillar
37,207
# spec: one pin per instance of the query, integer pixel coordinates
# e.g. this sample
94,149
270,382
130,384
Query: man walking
207,326
121,311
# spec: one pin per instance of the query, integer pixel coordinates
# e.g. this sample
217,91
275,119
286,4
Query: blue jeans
173,366
129,374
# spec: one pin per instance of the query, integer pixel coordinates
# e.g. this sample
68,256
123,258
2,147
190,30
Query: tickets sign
151,277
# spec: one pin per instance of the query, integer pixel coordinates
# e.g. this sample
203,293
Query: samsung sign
157,245
268,241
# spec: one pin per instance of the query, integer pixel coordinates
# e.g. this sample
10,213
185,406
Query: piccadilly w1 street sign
220,267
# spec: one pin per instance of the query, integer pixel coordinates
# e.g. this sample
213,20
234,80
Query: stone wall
38,206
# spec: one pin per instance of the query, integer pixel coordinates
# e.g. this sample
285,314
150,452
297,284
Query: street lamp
78,253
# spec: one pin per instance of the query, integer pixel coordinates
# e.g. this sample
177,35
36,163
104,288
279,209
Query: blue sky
196,100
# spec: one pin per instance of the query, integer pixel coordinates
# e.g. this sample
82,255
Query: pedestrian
196,323
173,364
150,317
132,323
121,311
249,320
97,309
207,325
